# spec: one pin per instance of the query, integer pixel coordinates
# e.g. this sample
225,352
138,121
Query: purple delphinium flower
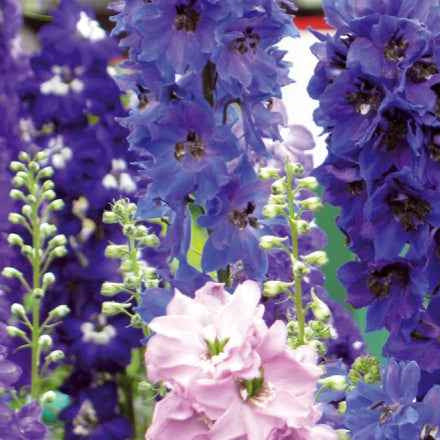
383,411
201,108
93,415
392,290
418,338
24,424
9,372
233,219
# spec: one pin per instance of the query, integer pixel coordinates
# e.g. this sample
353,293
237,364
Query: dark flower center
367,99
243,218
86,420
142,95
357,187
395,49
396,129
247,43
192,145
409,211
187,18
421,71
386,411
380,281
429,432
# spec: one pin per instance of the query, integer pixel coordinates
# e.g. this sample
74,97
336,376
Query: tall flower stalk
34,190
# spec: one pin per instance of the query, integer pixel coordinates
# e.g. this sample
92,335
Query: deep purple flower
93,415
233,217
186,143
392,290
9,372
402,211
418,338
24,424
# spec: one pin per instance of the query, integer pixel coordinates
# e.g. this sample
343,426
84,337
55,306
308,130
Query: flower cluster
204,76
377,82
389,409
230,375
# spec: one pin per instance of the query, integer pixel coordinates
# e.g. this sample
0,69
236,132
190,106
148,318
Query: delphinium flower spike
40,245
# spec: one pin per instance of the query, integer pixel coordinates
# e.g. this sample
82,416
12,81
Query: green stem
294,256
36,274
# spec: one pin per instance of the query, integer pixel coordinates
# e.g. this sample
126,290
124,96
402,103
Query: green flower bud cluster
136,274
365,369
33,189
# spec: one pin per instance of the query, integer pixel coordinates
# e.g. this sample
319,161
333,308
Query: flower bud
50,195
343,434
151,240
58,240
41,156
18,181
342,408
23,156
48,279
129,230
267,173
118,251
16,194
311,204
320,309
149,272
110,218
45,342
56,205
31,199
300,269
307,183
26,210
295,169
55,356
15,240
274,288
46,173
316,258
111,308
15,332
16,219
269,242
48,397
59,312
34,167
302,226
16,166
48,185
334,383
11,272
48,230
271,211
18,310
277,199
111,289
279,186
38,293
59,252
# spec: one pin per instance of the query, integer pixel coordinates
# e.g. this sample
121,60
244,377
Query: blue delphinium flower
94,415
392,289
390,410
204,74
377,84
24,424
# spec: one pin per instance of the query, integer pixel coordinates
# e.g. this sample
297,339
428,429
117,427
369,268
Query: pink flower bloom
232,377
176,418
214,334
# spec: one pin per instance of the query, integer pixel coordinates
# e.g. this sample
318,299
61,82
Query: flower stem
294,256
36,274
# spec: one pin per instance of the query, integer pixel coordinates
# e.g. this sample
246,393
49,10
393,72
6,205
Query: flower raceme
230,376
